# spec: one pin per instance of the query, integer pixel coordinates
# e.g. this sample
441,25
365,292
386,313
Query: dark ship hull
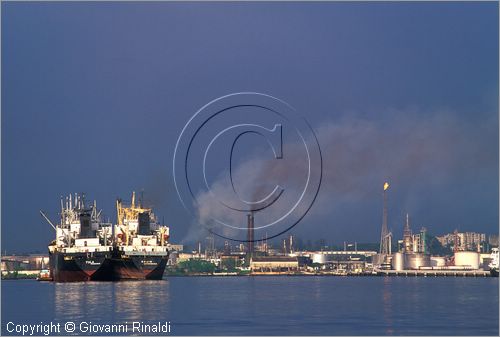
106,266
494,272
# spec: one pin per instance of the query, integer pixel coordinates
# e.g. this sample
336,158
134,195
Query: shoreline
34,275
405,274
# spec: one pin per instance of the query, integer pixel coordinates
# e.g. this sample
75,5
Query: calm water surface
267,305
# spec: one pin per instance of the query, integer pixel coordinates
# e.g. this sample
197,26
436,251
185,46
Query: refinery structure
409,256
413,257
137,246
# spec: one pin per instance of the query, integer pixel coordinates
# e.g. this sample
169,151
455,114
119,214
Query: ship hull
494,272
106,266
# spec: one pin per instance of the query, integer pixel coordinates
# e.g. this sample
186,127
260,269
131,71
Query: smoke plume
409,148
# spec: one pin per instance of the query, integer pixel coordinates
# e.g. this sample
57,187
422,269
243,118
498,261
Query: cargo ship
89,249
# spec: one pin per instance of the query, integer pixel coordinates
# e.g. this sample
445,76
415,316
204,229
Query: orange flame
386,186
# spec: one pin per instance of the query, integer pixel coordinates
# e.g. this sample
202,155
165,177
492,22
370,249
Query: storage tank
398,261
318,258
417,260
438,261
378,259
484,260
467,259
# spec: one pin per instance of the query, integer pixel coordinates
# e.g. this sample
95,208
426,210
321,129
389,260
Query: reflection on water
387,305
268,305
115,302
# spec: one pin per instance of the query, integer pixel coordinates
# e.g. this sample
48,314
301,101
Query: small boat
44,275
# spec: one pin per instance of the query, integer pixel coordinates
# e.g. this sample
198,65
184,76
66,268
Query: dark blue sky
94,96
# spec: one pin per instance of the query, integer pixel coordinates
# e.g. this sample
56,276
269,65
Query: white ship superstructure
86,248
494,262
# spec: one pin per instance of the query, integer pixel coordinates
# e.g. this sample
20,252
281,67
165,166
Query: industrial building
412,251
232,259
465,241
24,262
278,264
413,254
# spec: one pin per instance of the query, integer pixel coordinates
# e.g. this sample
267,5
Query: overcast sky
94,96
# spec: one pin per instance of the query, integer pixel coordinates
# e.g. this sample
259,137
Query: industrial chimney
384,234
250,232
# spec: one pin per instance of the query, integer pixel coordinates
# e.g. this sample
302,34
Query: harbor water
266,305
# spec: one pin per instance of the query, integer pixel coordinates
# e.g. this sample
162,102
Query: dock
435,273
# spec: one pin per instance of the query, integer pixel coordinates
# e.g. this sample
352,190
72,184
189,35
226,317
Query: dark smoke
360,153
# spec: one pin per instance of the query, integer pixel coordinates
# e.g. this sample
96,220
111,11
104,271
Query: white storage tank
417,260
438,261
467,259
318,258
398,261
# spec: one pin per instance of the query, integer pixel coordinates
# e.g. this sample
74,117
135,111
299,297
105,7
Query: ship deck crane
48,220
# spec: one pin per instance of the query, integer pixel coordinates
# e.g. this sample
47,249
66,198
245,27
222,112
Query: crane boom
48,220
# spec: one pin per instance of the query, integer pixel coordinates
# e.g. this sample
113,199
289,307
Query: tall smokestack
384,237
407,240
250,231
